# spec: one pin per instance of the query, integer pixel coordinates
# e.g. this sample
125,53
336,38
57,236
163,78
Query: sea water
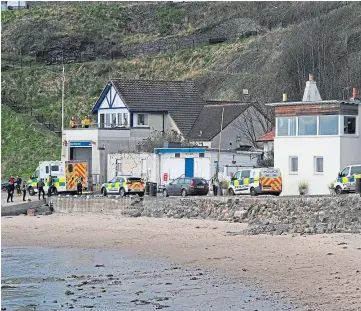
36,278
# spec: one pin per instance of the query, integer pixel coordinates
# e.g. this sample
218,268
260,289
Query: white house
315,139
267,141
129,111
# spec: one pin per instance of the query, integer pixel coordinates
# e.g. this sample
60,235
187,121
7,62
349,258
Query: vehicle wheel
231,191
184,193
55,191
338,190
165,193
103,191
277,194
31,191
122,192
253,192
141,194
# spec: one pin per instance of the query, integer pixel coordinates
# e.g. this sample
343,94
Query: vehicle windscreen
200,182
134,179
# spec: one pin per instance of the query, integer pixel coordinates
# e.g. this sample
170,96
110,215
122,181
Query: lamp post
62,106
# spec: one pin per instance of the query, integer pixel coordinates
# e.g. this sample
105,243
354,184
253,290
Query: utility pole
62,106
219,146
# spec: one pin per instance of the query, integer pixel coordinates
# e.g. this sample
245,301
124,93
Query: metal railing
97,125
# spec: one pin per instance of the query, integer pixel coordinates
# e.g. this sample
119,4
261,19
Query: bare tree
253,123
158,138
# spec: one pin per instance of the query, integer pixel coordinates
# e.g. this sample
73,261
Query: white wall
136,164
306,148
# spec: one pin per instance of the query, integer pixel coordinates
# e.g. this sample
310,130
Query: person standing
215,184
18,185
11,189
72,122
24,191
40,186
86,122
51,185
79,185
11,180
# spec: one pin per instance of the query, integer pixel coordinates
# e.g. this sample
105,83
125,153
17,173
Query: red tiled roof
268,136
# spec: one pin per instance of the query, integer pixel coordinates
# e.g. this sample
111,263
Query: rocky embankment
264,215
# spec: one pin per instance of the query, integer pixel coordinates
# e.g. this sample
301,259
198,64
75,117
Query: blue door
189,169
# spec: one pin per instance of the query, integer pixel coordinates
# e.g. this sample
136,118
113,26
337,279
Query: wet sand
320,272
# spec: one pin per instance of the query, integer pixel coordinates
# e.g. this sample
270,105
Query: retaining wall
304,215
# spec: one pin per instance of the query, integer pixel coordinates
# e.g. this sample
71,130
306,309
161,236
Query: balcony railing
107,126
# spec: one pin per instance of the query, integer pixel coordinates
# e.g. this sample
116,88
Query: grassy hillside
25,142
323,38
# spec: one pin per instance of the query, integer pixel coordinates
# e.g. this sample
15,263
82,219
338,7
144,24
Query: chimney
311,93
354,93
284,97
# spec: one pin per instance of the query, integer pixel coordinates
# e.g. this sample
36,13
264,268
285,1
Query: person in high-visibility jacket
86,122
79,185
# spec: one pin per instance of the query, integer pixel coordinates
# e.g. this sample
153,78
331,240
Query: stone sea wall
264,215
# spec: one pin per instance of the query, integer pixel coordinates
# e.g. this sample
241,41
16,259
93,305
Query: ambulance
255,181
346,181
63,173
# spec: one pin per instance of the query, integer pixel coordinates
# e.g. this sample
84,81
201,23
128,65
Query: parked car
186,186
124,185
4,185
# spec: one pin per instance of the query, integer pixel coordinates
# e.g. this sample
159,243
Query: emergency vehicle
123,185
64,174
256,181
346,181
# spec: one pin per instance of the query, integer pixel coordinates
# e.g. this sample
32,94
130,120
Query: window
101,120
55,168
114,119
345,172
120,119
175,182
125,119
201,155
293,165
187,181
328,125
181,181
286,126
47,169
237,175
307,125
70,168
245,174
349,125
318,165
142,119
113,180
107,119
355,170
177,155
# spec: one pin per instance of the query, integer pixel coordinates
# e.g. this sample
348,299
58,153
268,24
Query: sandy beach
319,272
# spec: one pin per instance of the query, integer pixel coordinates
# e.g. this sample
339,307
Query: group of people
84,123
15,184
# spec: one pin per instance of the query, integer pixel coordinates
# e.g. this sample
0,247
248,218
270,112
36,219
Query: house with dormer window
129,111
315,139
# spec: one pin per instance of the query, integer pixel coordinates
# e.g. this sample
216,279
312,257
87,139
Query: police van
346,181
255,181
64,174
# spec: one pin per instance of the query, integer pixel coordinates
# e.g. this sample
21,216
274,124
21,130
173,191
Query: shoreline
317,272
